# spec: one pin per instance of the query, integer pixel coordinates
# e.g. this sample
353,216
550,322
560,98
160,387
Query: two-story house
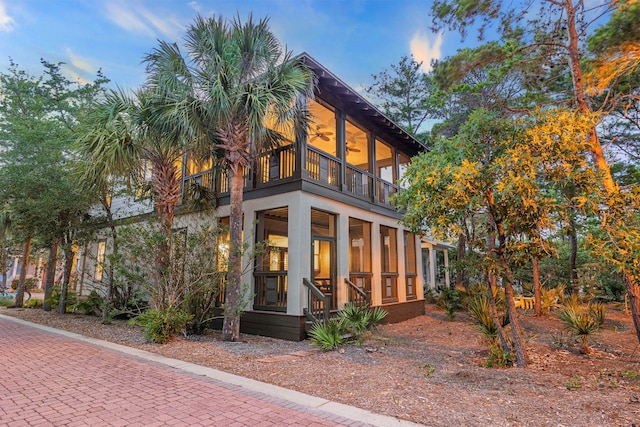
323,203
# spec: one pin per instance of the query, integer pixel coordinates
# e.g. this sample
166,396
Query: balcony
281,165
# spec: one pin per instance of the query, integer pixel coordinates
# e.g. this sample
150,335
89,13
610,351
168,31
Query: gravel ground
428,370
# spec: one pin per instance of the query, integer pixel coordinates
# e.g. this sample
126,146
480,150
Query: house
323,204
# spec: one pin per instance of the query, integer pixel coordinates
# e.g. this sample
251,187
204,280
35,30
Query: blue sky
353,38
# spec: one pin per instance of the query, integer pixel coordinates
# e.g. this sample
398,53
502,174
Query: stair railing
356,295
318,304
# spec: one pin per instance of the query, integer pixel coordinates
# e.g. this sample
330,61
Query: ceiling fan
319,134
351,148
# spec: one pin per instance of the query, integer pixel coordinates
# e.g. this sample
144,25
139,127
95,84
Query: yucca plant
598,310
377,314
328,335
355,317
480,312
580,323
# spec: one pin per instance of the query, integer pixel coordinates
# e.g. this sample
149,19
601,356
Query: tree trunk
51,273
597,153
493,288
516,333
460,275
108,302
537,291
233,304
23,272
573,255
64,286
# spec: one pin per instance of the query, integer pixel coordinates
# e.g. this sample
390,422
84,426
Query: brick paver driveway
55,380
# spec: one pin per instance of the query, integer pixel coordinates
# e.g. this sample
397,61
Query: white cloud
424,50
137,19
7,23
80,63
195,6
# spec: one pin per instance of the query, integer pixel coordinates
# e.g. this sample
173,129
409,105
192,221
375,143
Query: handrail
361,297
318,307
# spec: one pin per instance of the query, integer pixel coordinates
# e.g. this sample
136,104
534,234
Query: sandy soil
428,370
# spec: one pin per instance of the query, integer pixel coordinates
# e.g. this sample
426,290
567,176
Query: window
389,261
357,146
100,257
404,162
271,281
410,264
385,162
360,253
322,129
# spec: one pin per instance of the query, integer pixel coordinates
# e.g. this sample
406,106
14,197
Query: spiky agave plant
580,323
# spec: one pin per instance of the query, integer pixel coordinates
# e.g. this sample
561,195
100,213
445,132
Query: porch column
299,254
419,269
446,267
376,267
401,282
432,266
342,258
248,227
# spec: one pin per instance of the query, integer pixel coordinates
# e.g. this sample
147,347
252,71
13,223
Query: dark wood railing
318,304
385,190
359,182
356,295
275,165
323,168
270,291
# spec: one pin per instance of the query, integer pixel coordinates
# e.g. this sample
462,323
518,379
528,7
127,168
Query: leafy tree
234,77
494,167
557,30
405,93
37,121
123,139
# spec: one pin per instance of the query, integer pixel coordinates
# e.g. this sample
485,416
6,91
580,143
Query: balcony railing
321,167
281,164
276,165
359,182
384,191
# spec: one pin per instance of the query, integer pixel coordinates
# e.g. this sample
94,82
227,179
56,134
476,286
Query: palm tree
122,139
235,77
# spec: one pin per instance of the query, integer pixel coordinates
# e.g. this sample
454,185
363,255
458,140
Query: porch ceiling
359,107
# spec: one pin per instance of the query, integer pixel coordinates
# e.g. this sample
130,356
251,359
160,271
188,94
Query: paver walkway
56,378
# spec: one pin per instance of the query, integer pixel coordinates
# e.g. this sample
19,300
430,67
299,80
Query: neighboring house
324,205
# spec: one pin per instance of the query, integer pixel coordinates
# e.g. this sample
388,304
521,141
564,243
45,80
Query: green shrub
160,326
328,336
33,303
598,311
377,314
54,299
30,283
579,322
7,302
498,358
449,299
90,305
480,312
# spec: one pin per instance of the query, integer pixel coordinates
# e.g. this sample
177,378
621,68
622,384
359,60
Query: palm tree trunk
51,273
23,272
233,304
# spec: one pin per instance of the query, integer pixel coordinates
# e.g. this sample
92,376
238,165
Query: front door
323,267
